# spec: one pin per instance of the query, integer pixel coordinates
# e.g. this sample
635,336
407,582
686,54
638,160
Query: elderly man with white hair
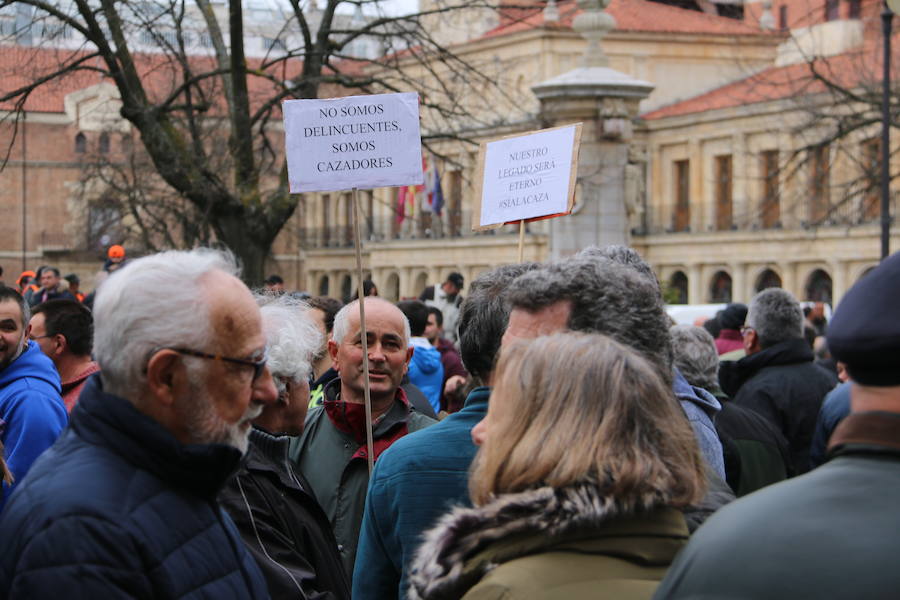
272,505
124,504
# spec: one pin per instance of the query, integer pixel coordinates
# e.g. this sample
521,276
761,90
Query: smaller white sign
353,142
528,176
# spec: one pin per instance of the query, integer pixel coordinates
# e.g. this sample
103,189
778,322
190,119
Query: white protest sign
528,176
353,142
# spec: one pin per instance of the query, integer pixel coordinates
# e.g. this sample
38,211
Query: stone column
739,285
696,285
606,101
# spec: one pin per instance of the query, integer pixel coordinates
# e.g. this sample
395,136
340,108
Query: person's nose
479,432
264,391
376,353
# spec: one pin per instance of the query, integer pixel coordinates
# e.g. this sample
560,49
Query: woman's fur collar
443,568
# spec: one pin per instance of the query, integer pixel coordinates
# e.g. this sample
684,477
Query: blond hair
575,407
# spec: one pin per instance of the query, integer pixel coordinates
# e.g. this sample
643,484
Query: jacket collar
733,375
477,400
866,433
113,422
468,543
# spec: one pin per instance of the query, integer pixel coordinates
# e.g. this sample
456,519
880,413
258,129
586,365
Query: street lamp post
887,17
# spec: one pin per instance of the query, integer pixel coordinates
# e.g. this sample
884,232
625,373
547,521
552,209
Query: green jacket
548,544
333,463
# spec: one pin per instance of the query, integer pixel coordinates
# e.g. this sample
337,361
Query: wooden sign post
352,143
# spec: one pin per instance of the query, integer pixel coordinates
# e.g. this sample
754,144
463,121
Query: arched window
819,286
420,282
80,144
720,287
323,285
677,292
103,143
767,279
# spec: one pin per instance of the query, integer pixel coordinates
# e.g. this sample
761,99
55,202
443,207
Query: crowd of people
552,434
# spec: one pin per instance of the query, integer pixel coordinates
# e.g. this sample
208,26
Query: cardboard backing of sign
477,225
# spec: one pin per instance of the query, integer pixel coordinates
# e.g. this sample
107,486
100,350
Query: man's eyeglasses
258,365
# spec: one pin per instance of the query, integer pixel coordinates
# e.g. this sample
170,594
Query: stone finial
593,23
551,12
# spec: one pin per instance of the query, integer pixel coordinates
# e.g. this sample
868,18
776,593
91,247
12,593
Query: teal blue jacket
413,484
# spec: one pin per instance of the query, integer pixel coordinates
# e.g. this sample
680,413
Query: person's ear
163,371
62,344
751,341
333,352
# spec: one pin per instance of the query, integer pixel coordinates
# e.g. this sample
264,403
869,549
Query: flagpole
370,444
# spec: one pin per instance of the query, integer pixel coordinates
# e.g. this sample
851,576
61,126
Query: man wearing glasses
778,378
124,504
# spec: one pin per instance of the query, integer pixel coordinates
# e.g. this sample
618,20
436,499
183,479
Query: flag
401,204
436,196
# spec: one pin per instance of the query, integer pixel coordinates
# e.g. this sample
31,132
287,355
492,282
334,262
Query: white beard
206,427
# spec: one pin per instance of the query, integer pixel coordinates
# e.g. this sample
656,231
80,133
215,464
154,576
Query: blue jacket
701,407
32,409
118,508
426,371
835,407
413,484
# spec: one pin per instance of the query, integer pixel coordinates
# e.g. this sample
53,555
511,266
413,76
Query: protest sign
353,142
527,177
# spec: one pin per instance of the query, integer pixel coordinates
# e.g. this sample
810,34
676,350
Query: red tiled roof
849,70
636,16
20,66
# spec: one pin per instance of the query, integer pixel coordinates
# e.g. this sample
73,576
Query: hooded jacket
701,408
33,410
118,508
547,543
282,524
783,385
426,371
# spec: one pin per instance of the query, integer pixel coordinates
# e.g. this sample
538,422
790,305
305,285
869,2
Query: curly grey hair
623,255
292,337
696,356
606,297
775,315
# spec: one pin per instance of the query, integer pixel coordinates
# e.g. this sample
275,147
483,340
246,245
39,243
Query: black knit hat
864,332
733,316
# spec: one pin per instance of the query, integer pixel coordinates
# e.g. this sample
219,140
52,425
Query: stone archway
391,287
677,289
819,286
323,284
720,287
767,279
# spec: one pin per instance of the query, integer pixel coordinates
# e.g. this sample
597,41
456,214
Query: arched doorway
677,290
819,286
323,285
720,287
391,287
420,283
346,288
767,279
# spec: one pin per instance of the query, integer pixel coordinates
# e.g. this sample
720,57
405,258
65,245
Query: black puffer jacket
118,508
283,525
782,384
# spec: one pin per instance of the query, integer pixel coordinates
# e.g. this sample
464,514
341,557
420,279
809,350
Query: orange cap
116,251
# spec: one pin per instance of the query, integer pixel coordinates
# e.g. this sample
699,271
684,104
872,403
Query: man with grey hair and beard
124,504
599,295
778,378
272,505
